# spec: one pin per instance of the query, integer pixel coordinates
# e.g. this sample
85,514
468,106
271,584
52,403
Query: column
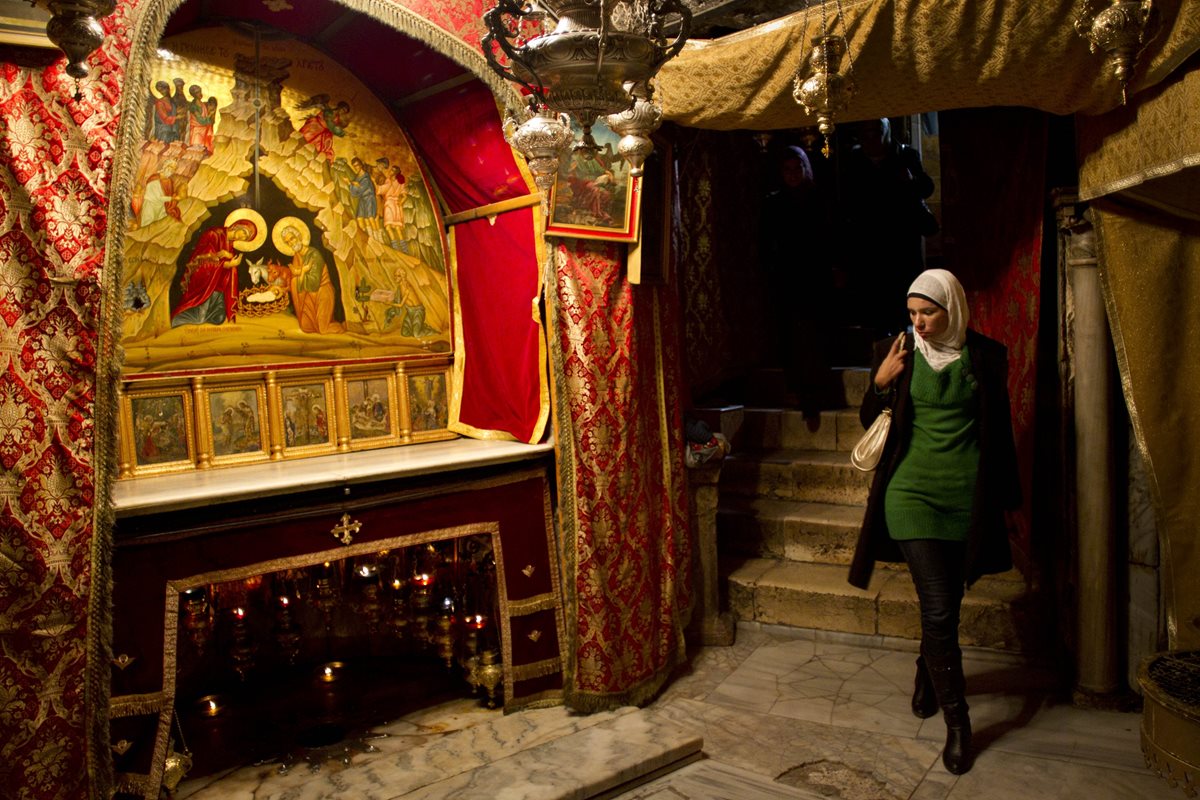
1090,348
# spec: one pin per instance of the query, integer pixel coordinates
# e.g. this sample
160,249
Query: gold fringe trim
1129,181
547,699
135,783
135,705
537,669
564,452
638,695
396,16
532,605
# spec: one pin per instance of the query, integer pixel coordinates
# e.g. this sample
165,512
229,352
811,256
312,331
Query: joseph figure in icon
312,292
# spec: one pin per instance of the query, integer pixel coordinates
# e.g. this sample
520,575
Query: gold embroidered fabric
1148,150
912,56
1150,273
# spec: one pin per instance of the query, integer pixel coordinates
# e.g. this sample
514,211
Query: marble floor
780,714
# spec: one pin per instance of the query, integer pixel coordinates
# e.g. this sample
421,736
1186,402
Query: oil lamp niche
434,602
582,60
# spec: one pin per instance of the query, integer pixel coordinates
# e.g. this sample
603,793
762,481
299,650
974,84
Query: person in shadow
799,278
947,476
884,191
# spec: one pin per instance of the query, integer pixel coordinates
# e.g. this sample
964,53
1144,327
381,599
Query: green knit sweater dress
930,493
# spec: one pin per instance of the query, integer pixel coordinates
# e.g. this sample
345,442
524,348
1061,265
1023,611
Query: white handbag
869,449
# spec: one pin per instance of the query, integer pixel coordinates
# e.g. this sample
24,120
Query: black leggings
937,571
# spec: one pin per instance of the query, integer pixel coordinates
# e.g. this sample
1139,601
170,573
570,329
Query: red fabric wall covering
55,159
458,134
500,359
993,165
623,487
500,350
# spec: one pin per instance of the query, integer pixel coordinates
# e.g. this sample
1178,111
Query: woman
210,279
948,473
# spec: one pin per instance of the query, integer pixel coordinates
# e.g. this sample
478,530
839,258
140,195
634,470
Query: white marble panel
194,489
795,750
712,780
1002,776
575,767
420,749
1102,738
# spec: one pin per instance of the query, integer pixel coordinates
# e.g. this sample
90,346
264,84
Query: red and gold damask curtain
623,494
55,163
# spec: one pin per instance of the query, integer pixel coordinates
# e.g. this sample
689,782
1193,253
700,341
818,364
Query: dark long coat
997,486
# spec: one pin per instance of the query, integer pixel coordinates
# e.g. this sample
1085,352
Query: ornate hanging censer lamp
597,60
820,86
74,27
635,124
541,139
1121,31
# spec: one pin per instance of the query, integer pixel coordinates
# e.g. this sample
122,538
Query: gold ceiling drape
912,56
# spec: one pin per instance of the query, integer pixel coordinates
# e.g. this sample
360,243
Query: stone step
815,476
855,381
774,428
817,596
730,419
788,529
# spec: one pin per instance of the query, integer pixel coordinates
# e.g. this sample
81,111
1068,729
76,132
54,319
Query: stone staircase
788,516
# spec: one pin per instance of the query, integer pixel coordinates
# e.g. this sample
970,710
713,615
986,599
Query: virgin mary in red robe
211,268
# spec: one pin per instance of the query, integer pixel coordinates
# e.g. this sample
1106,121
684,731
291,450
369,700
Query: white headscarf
943,288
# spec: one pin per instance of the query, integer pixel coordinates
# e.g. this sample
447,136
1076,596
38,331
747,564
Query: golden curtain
912,56
1141,162
1150,273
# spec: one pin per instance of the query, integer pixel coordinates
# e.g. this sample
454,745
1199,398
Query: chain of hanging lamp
823,90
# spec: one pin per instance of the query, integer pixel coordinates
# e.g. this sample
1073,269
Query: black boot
924,699
956,756
946,675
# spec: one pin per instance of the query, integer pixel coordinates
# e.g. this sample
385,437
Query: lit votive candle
209,705
329,672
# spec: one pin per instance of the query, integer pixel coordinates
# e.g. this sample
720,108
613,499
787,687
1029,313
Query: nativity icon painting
278,216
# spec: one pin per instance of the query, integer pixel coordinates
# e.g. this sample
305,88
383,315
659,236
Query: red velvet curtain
993,168
500,350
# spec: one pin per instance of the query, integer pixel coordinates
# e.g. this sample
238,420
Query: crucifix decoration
345,529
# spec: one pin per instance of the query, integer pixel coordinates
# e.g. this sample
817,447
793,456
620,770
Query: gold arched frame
147,22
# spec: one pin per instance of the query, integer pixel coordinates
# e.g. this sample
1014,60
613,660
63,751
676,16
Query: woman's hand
892,365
